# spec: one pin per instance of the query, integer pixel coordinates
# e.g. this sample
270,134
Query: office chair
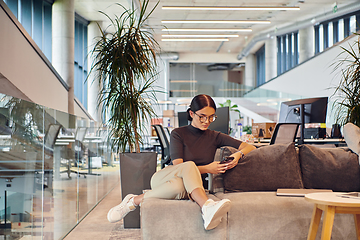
167,133
284,133
50,138
51,135
164,144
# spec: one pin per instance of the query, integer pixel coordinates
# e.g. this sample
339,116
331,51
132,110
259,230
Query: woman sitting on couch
192,150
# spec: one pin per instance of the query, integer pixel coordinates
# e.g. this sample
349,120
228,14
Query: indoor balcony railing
54,168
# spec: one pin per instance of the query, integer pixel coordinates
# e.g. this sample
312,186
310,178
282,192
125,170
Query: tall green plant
347,93
125,63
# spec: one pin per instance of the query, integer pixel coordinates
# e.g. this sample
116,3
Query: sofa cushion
263,215
177,219
266,169
352,137
329,168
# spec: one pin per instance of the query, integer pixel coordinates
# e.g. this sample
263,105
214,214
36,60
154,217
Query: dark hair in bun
199,102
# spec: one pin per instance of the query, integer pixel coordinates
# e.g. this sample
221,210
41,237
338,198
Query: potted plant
233,108
125,65
347,93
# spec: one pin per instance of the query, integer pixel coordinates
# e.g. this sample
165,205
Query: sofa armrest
215,181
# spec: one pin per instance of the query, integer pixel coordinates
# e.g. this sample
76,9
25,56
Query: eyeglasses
203,119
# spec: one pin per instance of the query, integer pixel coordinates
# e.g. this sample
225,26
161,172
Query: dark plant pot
136,170
335,131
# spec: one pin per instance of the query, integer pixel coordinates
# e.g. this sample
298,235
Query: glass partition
216,80
54,168
271,99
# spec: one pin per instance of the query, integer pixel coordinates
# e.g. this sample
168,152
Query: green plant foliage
247,129
231,107
125,64
347,93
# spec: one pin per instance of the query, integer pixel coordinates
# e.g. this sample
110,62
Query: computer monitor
182,118
221,124
307,110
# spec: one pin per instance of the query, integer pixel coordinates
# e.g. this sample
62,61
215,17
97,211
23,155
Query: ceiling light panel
219,21
195,39
228,8
199,36
206,30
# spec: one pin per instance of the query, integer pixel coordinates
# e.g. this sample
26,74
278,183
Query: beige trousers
175,181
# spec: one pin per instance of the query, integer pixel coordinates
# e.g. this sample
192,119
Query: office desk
338,142
64,140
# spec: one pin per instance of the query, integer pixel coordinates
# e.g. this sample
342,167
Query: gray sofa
256,212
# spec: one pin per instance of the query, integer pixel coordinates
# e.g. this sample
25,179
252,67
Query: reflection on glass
216,80
54,168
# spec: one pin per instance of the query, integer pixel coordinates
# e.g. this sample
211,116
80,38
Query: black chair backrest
164,144
79,147
284,133
51,135
167,133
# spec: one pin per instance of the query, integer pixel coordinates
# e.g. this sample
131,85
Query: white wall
27,71
313,78
21,65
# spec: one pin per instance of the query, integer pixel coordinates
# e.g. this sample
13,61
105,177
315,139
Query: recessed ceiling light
199,35
194,39
206,29
219,21
243,8
164,102
186,100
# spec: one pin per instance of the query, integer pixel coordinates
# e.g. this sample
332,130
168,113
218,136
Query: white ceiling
309,9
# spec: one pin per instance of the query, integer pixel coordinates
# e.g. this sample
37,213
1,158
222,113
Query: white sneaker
120,211
214,211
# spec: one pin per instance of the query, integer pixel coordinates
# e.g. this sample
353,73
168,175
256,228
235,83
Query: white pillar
270,59
306,43
162,80
63,24
93,84
250,67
